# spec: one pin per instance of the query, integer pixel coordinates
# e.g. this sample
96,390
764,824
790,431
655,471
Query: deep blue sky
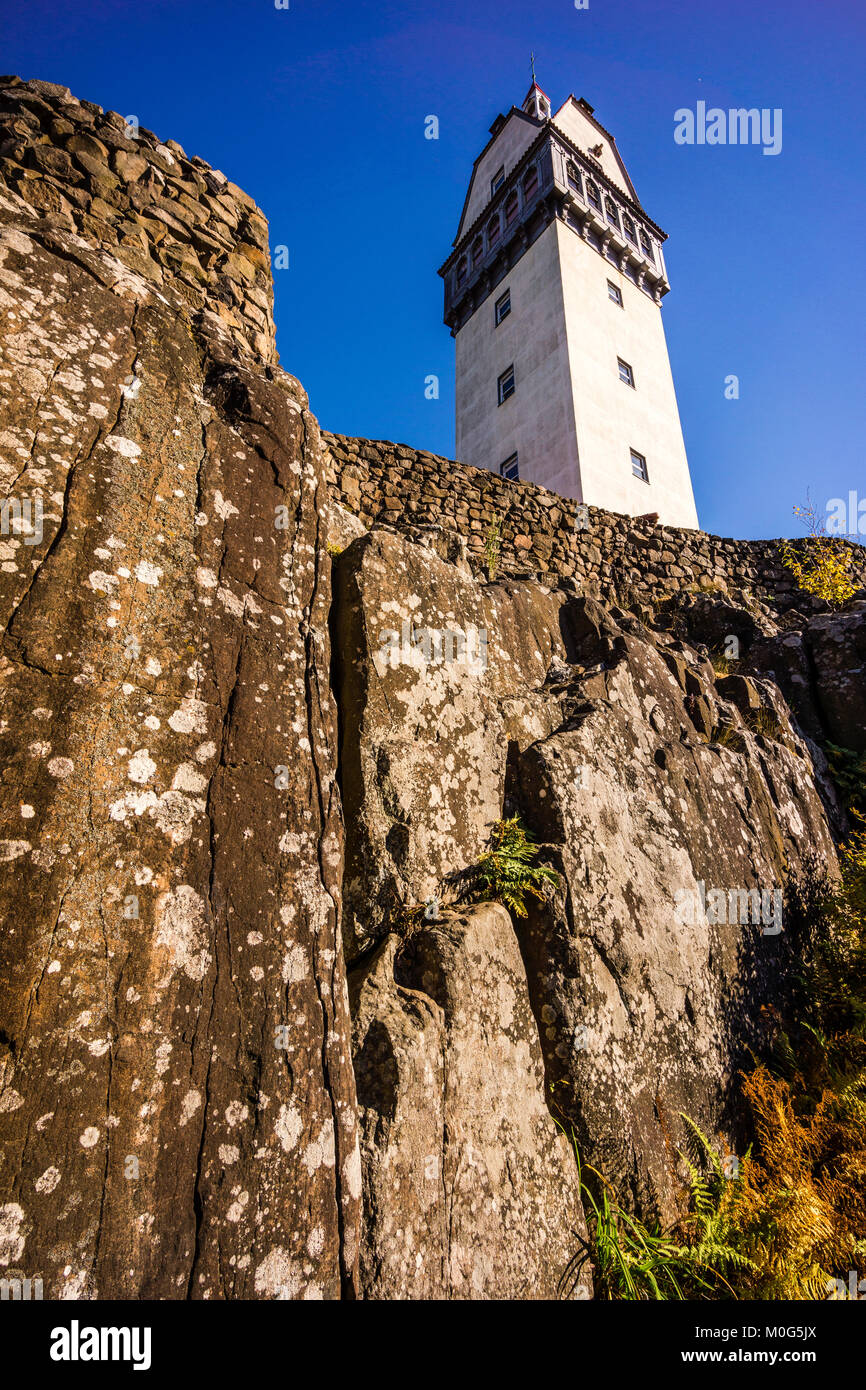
318,111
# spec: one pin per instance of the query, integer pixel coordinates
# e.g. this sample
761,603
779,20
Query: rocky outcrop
650,783
223,782
177,1089
470,1189
821,670
650,967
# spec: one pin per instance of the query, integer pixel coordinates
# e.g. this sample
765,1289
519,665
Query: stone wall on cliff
411,490
195,237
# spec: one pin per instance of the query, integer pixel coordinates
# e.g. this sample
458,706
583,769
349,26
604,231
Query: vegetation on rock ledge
506,872
788,1220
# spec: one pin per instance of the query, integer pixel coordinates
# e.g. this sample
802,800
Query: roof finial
532,65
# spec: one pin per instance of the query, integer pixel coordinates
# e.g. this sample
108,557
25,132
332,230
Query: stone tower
553,293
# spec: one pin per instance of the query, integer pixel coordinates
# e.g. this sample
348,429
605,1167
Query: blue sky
318,112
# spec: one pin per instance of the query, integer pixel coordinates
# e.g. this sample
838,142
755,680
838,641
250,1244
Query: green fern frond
507,872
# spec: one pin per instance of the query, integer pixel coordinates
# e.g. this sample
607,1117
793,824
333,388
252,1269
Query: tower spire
535,103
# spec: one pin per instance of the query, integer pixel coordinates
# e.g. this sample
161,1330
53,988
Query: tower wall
538,420
504,151
611,418
587,135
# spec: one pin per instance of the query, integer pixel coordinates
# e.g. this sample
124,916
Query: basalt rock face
650,784
177,1089
822,671
259,1038
470,1189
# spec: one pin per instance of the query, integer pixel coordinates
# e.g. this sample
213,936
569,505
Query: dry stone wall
198,239
412,490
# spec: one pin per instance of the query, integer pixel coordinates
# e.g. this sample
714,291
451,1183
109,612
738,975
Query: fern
631,1260
793,1217
507,871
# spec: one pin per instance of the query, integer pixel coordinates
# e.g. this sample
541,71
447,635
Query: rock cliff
176,1031
263,703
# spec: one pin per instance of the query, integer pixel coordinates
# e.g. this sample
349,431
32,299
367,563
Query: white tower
553,293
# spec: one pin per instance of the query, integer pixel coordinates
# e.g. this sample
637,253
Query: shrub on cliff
848,770
822,566
797,1208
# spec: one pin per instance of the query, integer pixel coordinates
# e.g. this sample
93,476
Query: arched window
573,176
628,228
477,251
592,194
647,246
511,208
461,270
530,184
612,212
493,230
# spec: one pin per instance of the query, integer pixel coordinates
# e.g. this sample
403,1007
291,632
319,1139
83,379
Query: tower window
477,251
497,181
493,229
573,177
505,385
647,247
503,307
614,293
638,466
625,372
530,184
628,228
511,207
612,213
592,194
461,270
509,469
